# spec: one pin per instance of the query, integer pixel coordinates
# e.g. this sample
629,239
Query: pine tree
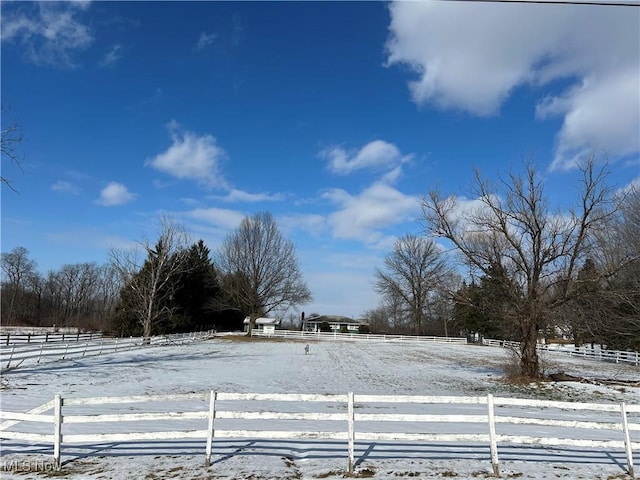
197,289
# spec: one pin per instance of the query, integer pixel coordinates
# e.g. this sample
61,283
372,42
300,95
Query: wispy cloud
115,194
312,223
49,33
241,196
205,39
192,157
112,56
375,155
62,186
218,217
157,95
506,46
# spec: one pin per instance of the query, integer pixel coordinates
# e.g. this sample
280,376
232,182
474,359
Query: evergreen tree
197,290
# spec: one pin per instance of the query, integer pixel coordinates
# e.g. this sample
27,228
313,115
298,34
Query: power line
556,2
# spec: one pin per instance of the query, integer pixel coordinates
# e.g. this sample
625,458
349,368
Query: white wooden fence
30,354
215,415
363,337
602,355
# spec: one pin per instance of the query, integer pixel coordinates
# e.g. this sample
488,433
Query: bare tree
412,272
261,267
529,252
10,137
78,286
609,309
16,269
150,281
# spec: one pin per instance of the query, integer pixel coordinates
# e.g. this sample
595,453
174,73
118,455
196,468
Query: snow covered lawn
272,366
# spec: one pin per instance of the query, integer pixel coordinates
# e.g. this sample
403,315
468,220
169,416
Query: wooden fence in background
362,337
600,354
30,354
10,338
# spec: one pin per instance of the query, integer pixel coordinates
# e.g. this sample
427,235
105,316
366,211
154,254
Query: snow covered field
270,366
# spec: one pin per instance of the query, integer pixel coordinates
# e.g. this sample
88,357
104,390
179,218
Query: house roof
334,319
263,321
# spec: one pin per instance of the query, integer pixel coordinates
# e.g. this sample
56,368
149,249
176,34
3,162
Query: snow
228,364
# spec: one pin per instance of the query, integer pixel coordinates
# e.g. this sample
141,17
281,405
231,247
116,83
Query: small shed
263,324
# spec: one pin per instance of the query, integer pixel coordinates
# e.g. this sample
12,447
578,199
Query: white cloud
112,56
235,195
115,194
205,39
471,56
50,33
595,119
377,154
63,186
219,217
362,217
192,157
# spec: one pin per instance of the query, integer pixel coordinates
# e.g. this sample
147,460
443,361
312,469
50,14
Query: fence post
351,431
210,431
492,436
627,439
46,336
10,356
57,430
8,336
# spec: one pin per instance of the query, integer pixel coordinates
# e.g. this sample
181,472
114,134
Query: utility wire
556,2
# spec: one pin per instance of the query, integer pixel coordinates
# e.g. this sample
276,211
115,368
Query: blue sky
334,116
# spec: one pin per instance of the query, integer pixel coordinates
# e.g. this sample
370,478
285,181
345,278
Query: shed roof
263,321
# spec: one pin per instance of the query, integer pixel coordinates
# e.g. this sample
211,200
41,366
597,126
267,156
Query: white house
264,324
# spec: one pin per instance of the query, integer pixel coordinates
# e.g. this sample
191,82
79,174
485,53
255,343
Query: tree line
161,286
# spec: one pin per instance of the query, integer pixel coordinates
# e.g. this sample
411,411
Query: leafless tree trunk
149,280
532,253
261,268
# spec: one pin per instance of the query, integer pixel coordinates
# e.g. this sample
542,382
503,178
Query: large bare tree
529,251
413,272
149,278
261,268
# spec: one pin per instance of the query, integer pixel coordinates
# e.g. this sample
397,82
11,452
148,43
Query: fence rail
31,354
215,415
363,337
9,338
602,355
